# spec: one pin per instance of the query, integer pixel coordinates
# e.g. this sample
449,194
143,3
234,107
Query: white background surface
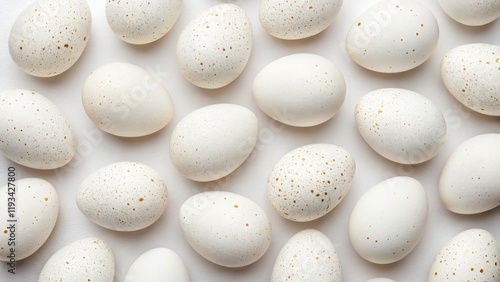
97,149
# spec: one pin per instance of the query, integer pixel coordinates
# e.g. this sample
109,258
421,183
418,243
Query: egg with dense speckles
49,36
380,280
308,256
142,22
389,220
401,125
471,73
33,131
155,265
472,255
297,19
472,13
214,48
300,89
89,259
470,177
310,181
225,228
393,36
123,196
36,210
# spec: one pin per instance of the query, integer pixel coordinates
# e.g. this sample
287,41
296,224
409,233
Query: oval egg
156,265
472,13
380,280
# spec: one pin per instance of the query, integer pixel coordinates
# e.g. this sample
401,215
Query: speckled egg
300,89
472,13
33,131
35,214
471,73
380,280
49,36
156,265
297,19
308,256
470,178
472,255
89,259
310,181
214,48
388,221
393,36
401,125
123,196
213,141
225,228
142,22
124,100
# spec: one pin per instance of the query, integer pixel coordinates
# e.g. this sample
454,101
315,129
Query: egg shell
158,265
49,36
471,73
401,125
471,13
225,228
393,36
297,19
388,221
310,181
36,210
124,100
300,89
214,48
380,280
213,141
308,256
123,196
471,175
89,259
33,131
472,255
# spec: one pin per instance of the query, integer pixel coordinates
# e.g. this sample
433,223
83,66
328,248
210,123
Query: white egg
308,256
469,179
124,100
401,125
35,210
123,196
225,228
213,141
34,132
393,36
472,255
300,89
158,265
472,13
89,259
49,36
471,73
214,48
297,19
310,181
388,221
141,22
380,280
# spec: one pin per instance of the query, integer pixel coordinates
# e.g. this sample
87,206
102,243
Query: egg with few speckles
393,36
308,256
156,265
49,36
225,228
472,255
142,22
389,220
48,145
36,210
401,125
310,181
214,48
472,13
123,196
380,280
89,259
470,177
471,73
297,19
300,90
